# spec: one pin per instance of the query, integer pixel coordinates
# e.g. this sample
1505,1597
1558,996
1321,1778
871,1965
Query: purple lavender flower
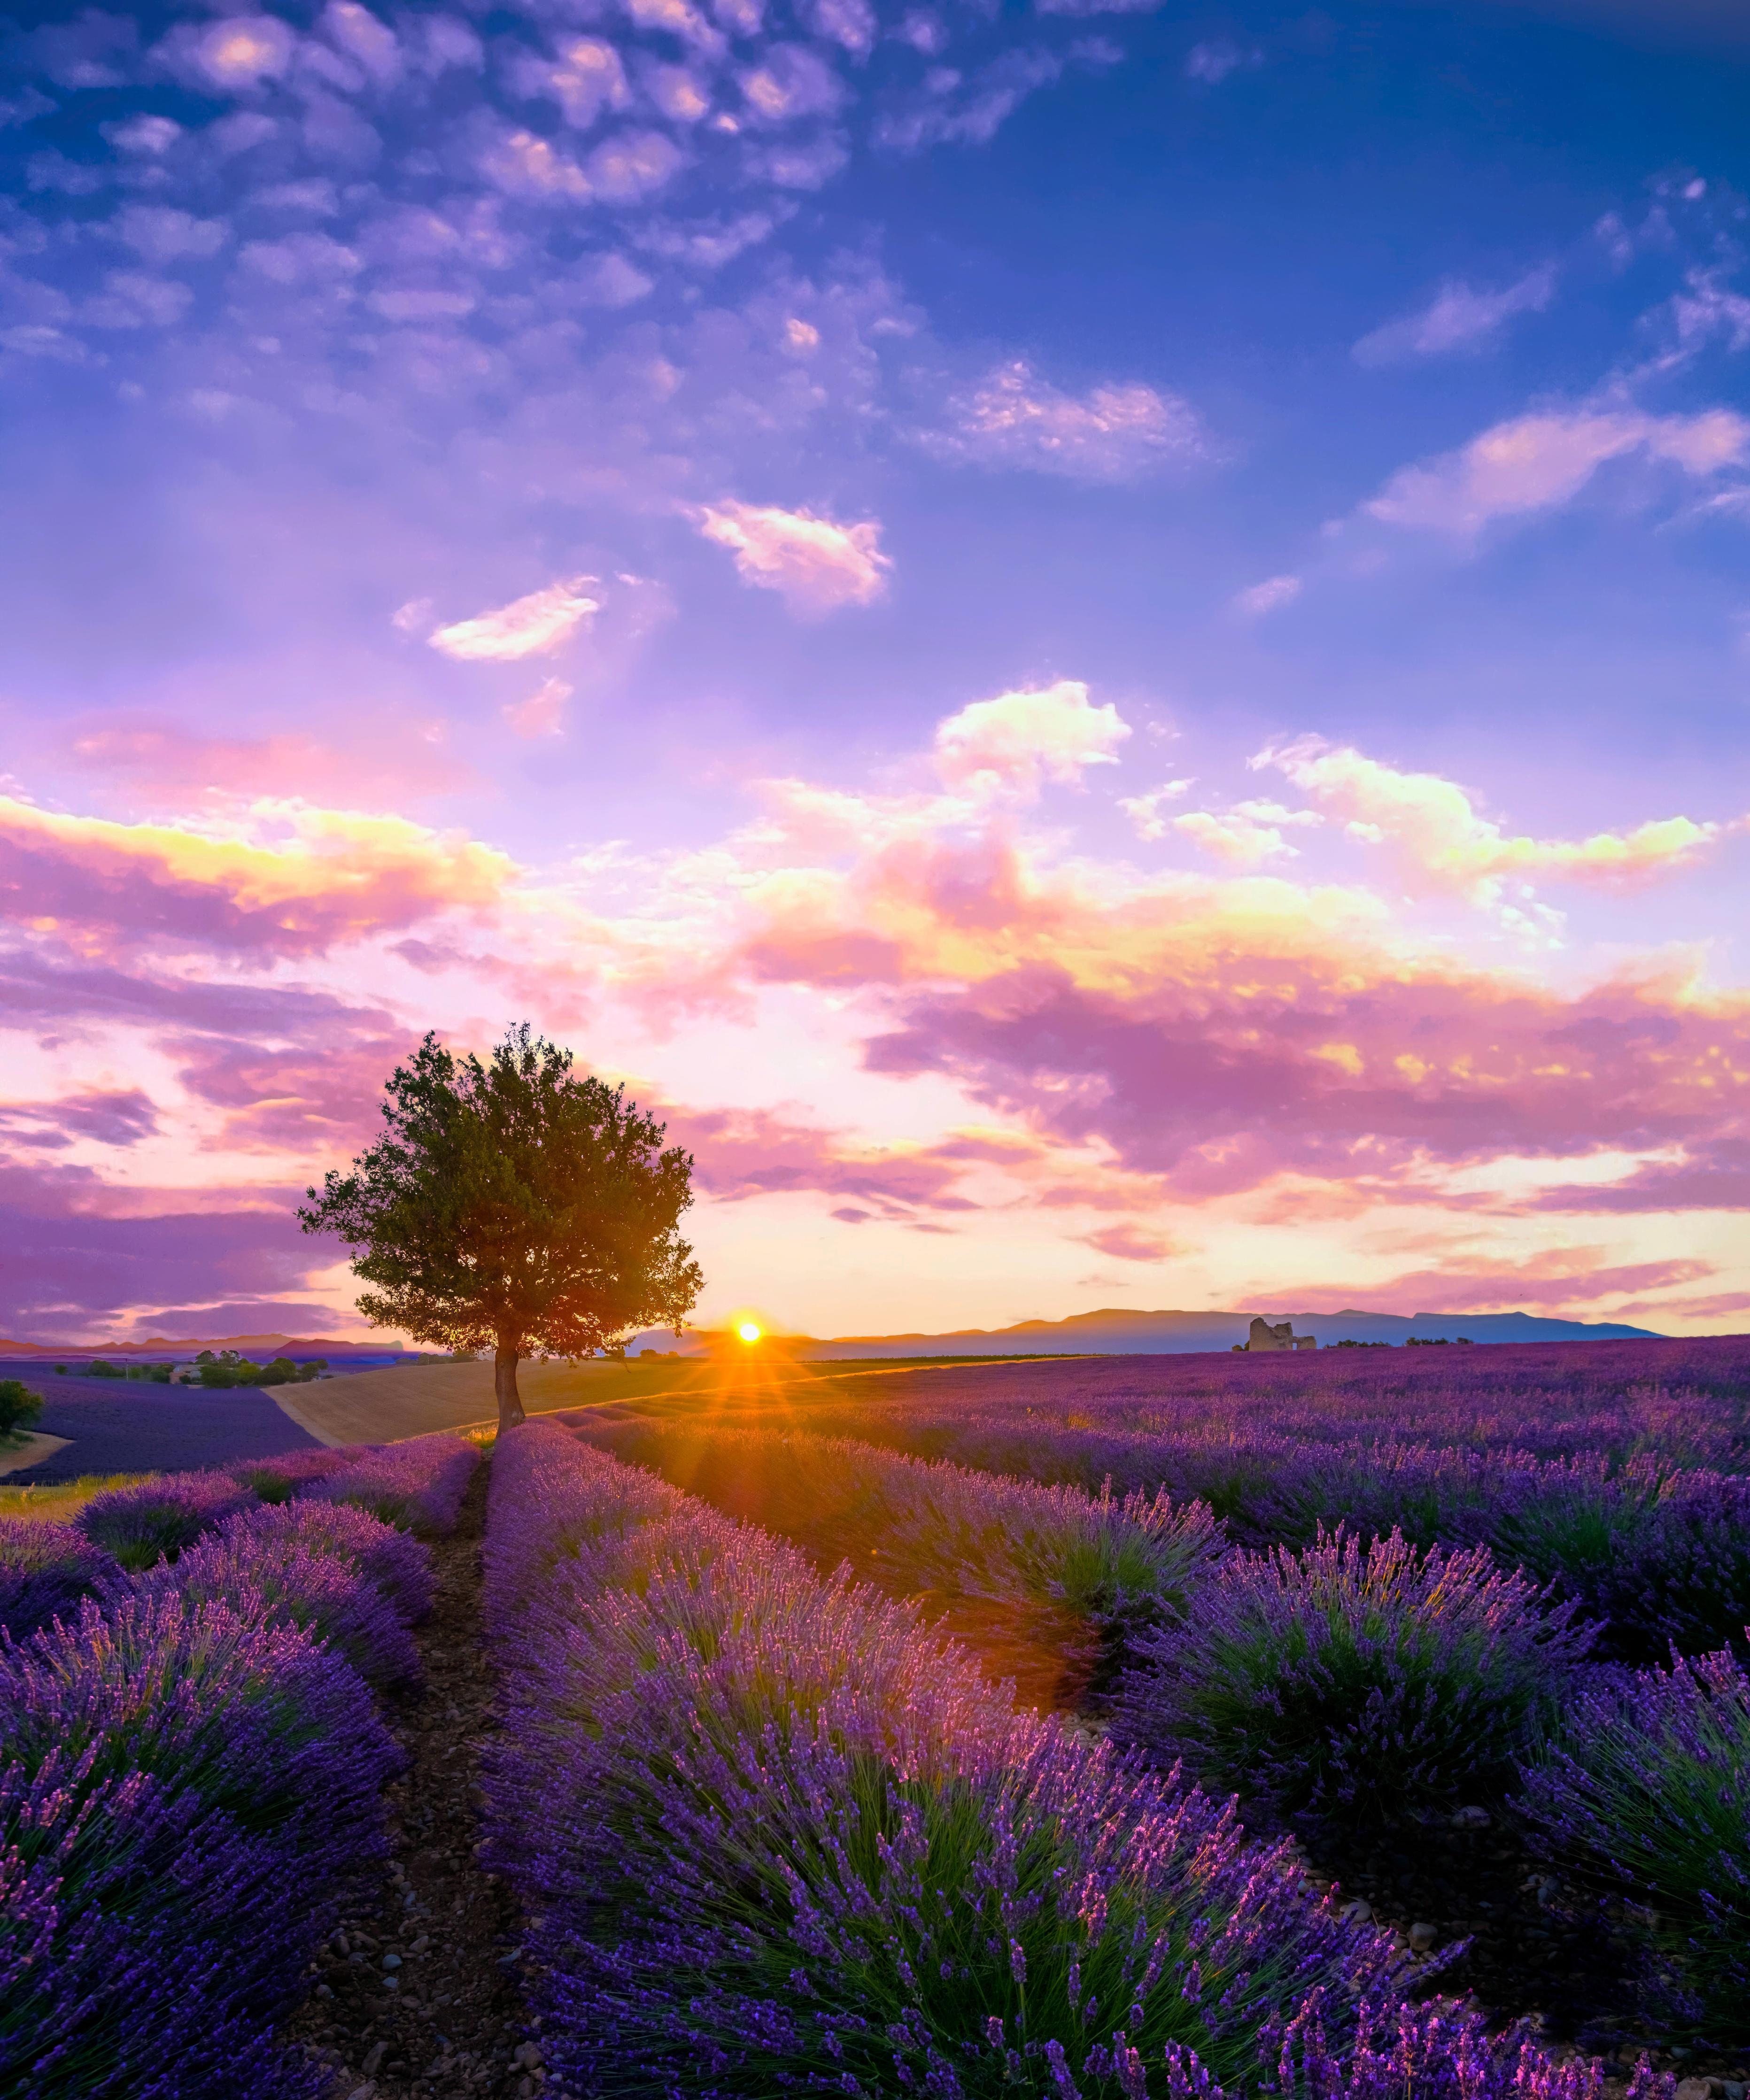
186,1800
155,1520
417,1486
45,1569
272,1577
399,1564
1332,1687
1440,2051
278,1480
1647,1794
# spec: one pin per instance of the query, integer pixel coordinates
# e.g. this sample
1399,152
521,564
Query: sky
1104,647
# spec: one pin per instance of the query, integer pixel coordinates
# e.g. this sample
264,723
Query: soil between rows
454,2022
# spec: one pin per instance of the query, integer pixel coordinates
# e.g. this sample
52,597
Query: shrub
1648,1794
270,1576
776,1835
397,1563
98,1368
186,1803
20,1406
948,1530
45,1569
158,1517
1334,1688
417,1486
278,1480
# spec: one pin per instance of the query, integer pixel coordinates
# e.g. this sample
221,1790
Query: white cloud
532,626
1112,433
1538,461
1269,596
1458,318
143,135
1440,842
358,33
611,280
678,18
585,77
814,563
850,23
1019,740
244,50
1248,835
543,712
790,82
302,259
1212,62
1148,812
164,234
954,110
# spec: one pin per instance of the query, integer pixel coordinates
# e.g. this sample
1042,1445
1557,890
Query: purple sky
1105,647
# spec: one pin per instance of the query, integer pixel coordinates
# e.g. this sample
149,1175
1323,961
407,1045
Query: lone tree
513,1207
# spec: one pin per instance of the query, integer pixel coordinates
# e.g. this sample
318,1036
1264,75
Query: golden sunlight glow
748,1330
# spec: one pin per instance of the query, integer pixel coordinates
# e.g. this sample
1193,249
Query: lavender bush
398,1563
551,1498
946,1530
1648,1794
278,1480
155,1520
186,1800
1334,1688
272,1577
45,1569
778,1836
417,1486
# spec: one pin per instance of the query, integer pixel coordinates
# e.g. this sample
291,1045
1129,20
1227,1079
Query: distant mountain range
1115,1331
300,1348
1111,1331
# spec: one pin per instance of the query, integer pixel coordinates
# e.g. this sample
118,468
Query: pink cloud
1567,1277
1130,1243
814,564
1712,1176
1221,1092
326,878
169,766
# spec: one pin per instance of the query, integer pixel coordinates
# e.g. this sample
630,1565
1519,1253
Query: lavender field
1343,1728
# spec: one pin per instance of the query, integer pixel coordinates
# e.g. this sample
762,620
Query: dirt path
447,2019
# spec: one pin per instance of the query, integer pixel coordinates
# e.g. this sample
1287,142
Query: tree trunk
504,1390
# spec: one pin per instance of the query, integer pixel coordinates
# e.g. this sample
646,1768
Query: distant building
1281,1336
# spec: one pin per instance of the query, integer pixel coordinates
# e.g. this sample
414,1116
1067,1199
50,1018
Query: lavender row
417,1486
1657,1555
775,1836
947,1531
193,1769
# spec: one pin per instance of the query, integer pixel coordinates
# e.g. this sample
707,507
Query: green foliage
20,1406
97,1368
513,1206
228,1369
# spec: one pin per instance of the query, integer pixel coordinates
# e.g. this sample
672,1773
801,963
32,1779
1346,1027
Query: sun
748,1330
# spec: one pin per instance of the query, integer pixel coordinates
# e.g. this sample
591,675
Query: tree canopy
513,1206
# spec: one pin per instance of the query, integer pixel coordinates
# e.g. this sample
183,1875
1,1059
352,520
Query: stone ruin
1281,1336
